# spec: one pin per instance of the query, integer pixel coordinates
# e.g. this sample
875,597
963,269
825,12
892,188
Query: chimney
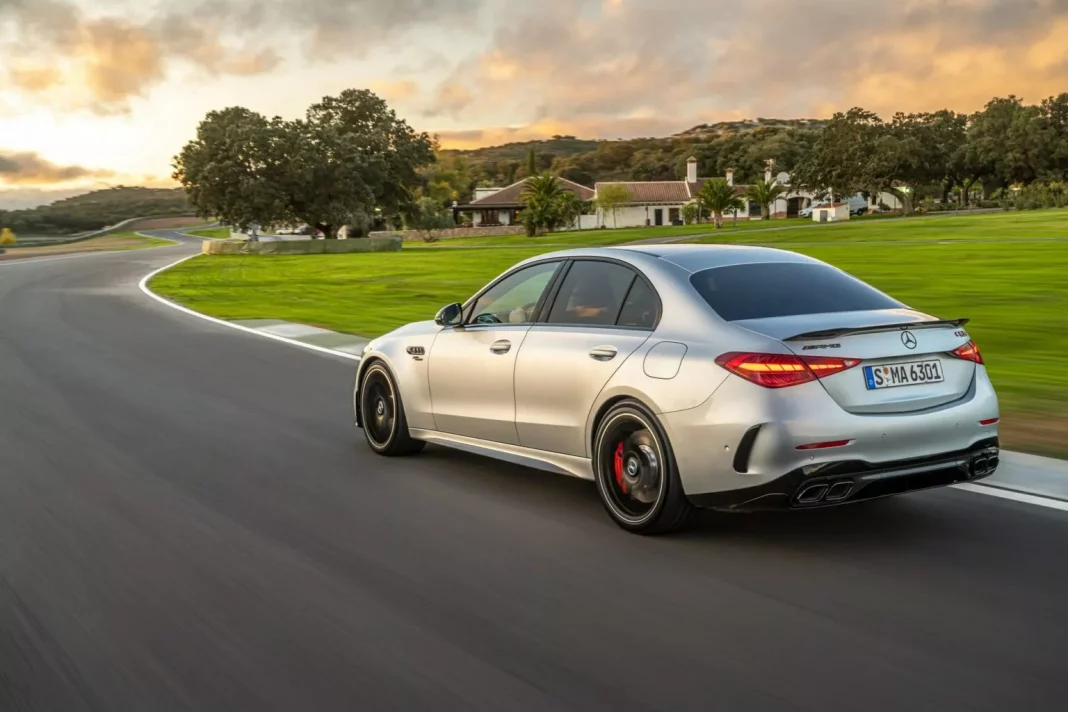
730,176
691,170
769,166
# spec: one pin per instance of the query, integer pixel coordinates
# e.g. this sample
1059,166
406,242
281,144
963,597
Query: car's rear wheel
636,473
382,414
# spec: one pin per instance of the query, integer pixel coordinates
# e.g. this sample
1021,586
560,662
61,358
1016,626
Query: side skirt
538,459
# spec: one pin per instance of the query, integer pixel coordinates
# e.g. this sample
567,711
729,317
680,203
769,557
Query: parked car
858,205
680,377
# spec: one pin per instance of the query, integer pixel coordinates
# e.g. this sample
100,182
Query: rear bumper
746,437
850,481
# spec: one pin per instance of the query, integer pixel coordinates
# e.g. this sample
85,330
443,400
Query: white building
831,212
651,203
661,202
495,207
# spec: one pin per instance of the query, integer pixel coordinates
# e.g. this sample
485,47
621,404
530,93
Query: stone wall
416,236
301,247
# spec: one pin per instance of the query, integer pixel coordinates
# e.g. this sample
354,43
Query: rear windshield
761,291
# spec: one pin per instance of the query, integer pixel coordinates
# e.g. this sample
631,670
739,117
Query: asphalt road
188,521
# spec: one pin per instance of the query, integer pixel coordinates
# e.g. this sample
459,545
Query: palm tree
541,200
718,197
765,194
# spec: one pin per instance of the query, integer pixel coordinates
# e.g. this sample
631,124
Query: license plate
895,375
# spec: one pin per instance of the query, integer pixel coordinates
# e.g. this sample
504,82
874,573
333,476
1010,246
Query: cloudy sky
98,92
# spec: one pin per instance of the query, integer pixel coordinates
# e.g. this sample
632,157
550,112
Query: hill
97,210
742,145
706,132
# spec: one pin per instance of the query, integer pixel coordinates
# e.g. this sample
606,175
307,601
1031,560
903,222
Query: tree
233,169
1008,143
719,198
542,198
570,208
532,163
511,171
611,199
1055,115
428,217
857,152
348,159
765,194
361,157
7,237
447,179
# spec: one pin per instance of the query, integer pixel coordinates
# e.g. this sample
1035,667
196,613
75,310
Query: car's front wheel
636,473
382,414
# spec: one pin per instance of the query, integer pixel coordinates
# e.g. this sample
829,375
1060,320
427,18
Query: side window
641,308
592,294
514,299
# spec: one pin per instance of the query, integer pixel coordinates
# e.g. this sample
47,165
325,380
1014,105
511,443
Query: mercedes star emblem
909,339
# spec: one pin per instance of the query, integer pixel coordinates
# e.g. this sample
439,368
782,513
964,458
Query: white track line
143,286
1015,496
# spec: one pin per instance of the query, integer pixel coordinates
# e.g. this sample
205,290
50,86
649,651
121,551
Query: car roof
691,257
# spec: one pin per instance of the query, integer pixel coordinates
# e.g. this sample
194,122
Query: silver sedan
689,376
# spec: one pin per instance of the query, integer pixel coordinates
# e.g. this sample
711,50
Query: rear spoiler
848,330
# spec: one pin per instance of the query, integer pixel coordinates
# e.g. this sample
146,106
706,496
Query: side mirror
450,315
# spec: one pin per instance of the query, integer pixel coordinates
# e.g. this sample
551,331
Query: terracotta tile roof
661,191
666,191
513,194
695,188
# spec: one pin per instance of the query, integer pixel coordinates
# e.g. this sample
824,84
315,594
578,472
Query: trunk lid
905,356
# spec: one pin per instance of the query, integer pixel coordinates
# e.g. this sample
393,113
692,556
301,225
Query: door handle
603,353
501,347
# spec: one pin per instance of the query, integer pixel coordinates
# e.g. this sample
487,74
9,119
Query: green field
623,235
213,233
870,228
1038,224
1015,294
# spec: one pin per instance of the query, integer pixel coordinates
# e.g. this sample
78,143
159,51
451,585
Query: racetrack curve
189,521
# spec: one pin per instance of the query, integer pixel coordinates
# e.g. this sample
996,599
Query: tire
636,474
384,424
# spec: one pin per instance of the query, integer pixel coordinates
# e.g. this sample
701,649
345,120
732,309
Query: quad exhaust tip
825,492
983,465
813,494
839,491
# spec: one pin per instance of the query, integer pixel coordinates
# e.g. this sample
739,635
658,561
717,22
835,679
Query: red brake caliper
619,468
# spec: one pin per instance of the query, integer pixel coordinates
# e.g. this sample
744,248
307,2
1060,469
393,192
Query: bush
429,218
1039,196
689,213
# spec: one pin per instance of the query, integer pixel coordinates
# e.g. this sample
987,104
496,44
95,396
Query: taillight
969,352
783,370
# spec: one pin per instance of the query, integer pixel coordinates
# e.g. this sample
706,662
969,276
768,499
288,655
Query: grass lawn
869,228
107,243
984,226
578,238
1015,294
214,233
